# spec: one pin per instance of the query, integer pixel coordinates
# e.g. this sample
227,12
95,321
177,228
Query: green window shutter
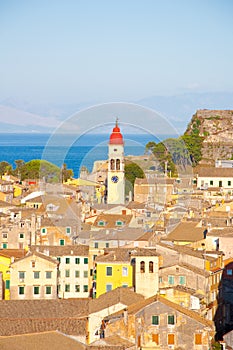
182,280
155,319
7,284
171,319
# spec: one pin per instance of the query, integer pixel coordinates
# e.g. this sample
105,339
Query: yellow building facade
111,275
5,269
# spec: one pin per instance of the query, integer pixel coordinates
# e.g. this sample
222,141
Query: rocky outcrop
216,128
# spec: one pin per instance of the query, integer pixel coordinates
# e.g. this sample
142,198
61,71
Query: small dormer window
101,223
119,223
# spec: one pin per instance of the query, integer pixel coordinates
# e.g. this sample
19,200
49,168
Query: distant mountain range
20,116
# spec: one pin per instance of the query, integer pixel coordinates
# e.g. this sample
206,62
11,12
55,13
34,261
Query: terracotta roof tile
79,250
112,342
125,254
38,341
135,308
119,295
40,255
29,316
213,172
186,231
111,219
13,253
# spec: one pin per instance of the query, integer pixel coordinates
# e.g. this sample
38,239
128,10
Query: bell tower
116,173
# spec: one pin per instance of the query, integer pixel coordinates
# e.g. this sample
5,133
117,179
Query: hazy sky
73,50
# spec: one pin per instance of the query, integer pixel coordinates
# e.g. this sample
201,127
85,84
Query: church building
116,174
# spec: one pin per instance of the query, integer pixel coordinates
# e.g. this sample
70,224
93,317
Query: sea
84,151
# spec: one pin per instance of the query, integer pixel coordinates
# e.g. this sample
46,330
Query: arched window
118,164
142,266
151,266
112,164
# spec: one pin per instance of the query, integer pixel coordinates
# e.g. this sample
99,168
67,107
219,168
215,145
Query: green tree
36,168
5,167
133,171
162,153
194,146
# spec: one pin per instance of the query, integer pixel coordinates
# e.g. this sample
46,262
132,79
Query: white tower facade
116,171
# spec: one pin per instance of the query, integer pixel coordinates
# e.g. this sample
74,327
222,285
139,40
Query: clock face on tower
115,179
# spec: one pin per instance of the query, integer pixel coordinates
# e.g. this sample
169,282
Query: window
77,260
155,338
21,290
67,288
211,182
108,271
7,284
119,223
33,263
67,260
160,279
85,260
21,274
4,235
171,319
124,285
151,267
229,183
67,273
61,242
68,230
85,274
21,235
36,290
182,280
96,245
43,230
77,274
198,338
77,288
171,339
229,272
124,271
36,274
142,266
59,259
4,245
112,164
170,279
108,287
48,290
85,288
155,320
118,163
220,184
107,245
101,223
48,274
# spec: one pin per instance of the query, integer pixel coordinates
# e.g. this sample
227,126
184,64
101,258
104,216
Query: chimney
125,316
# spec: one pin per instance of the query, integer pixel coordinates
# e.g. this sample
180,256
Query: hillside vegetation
209,136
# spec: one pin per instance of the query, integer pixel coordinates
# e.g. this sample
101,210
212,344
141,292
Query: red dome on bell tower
116,137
